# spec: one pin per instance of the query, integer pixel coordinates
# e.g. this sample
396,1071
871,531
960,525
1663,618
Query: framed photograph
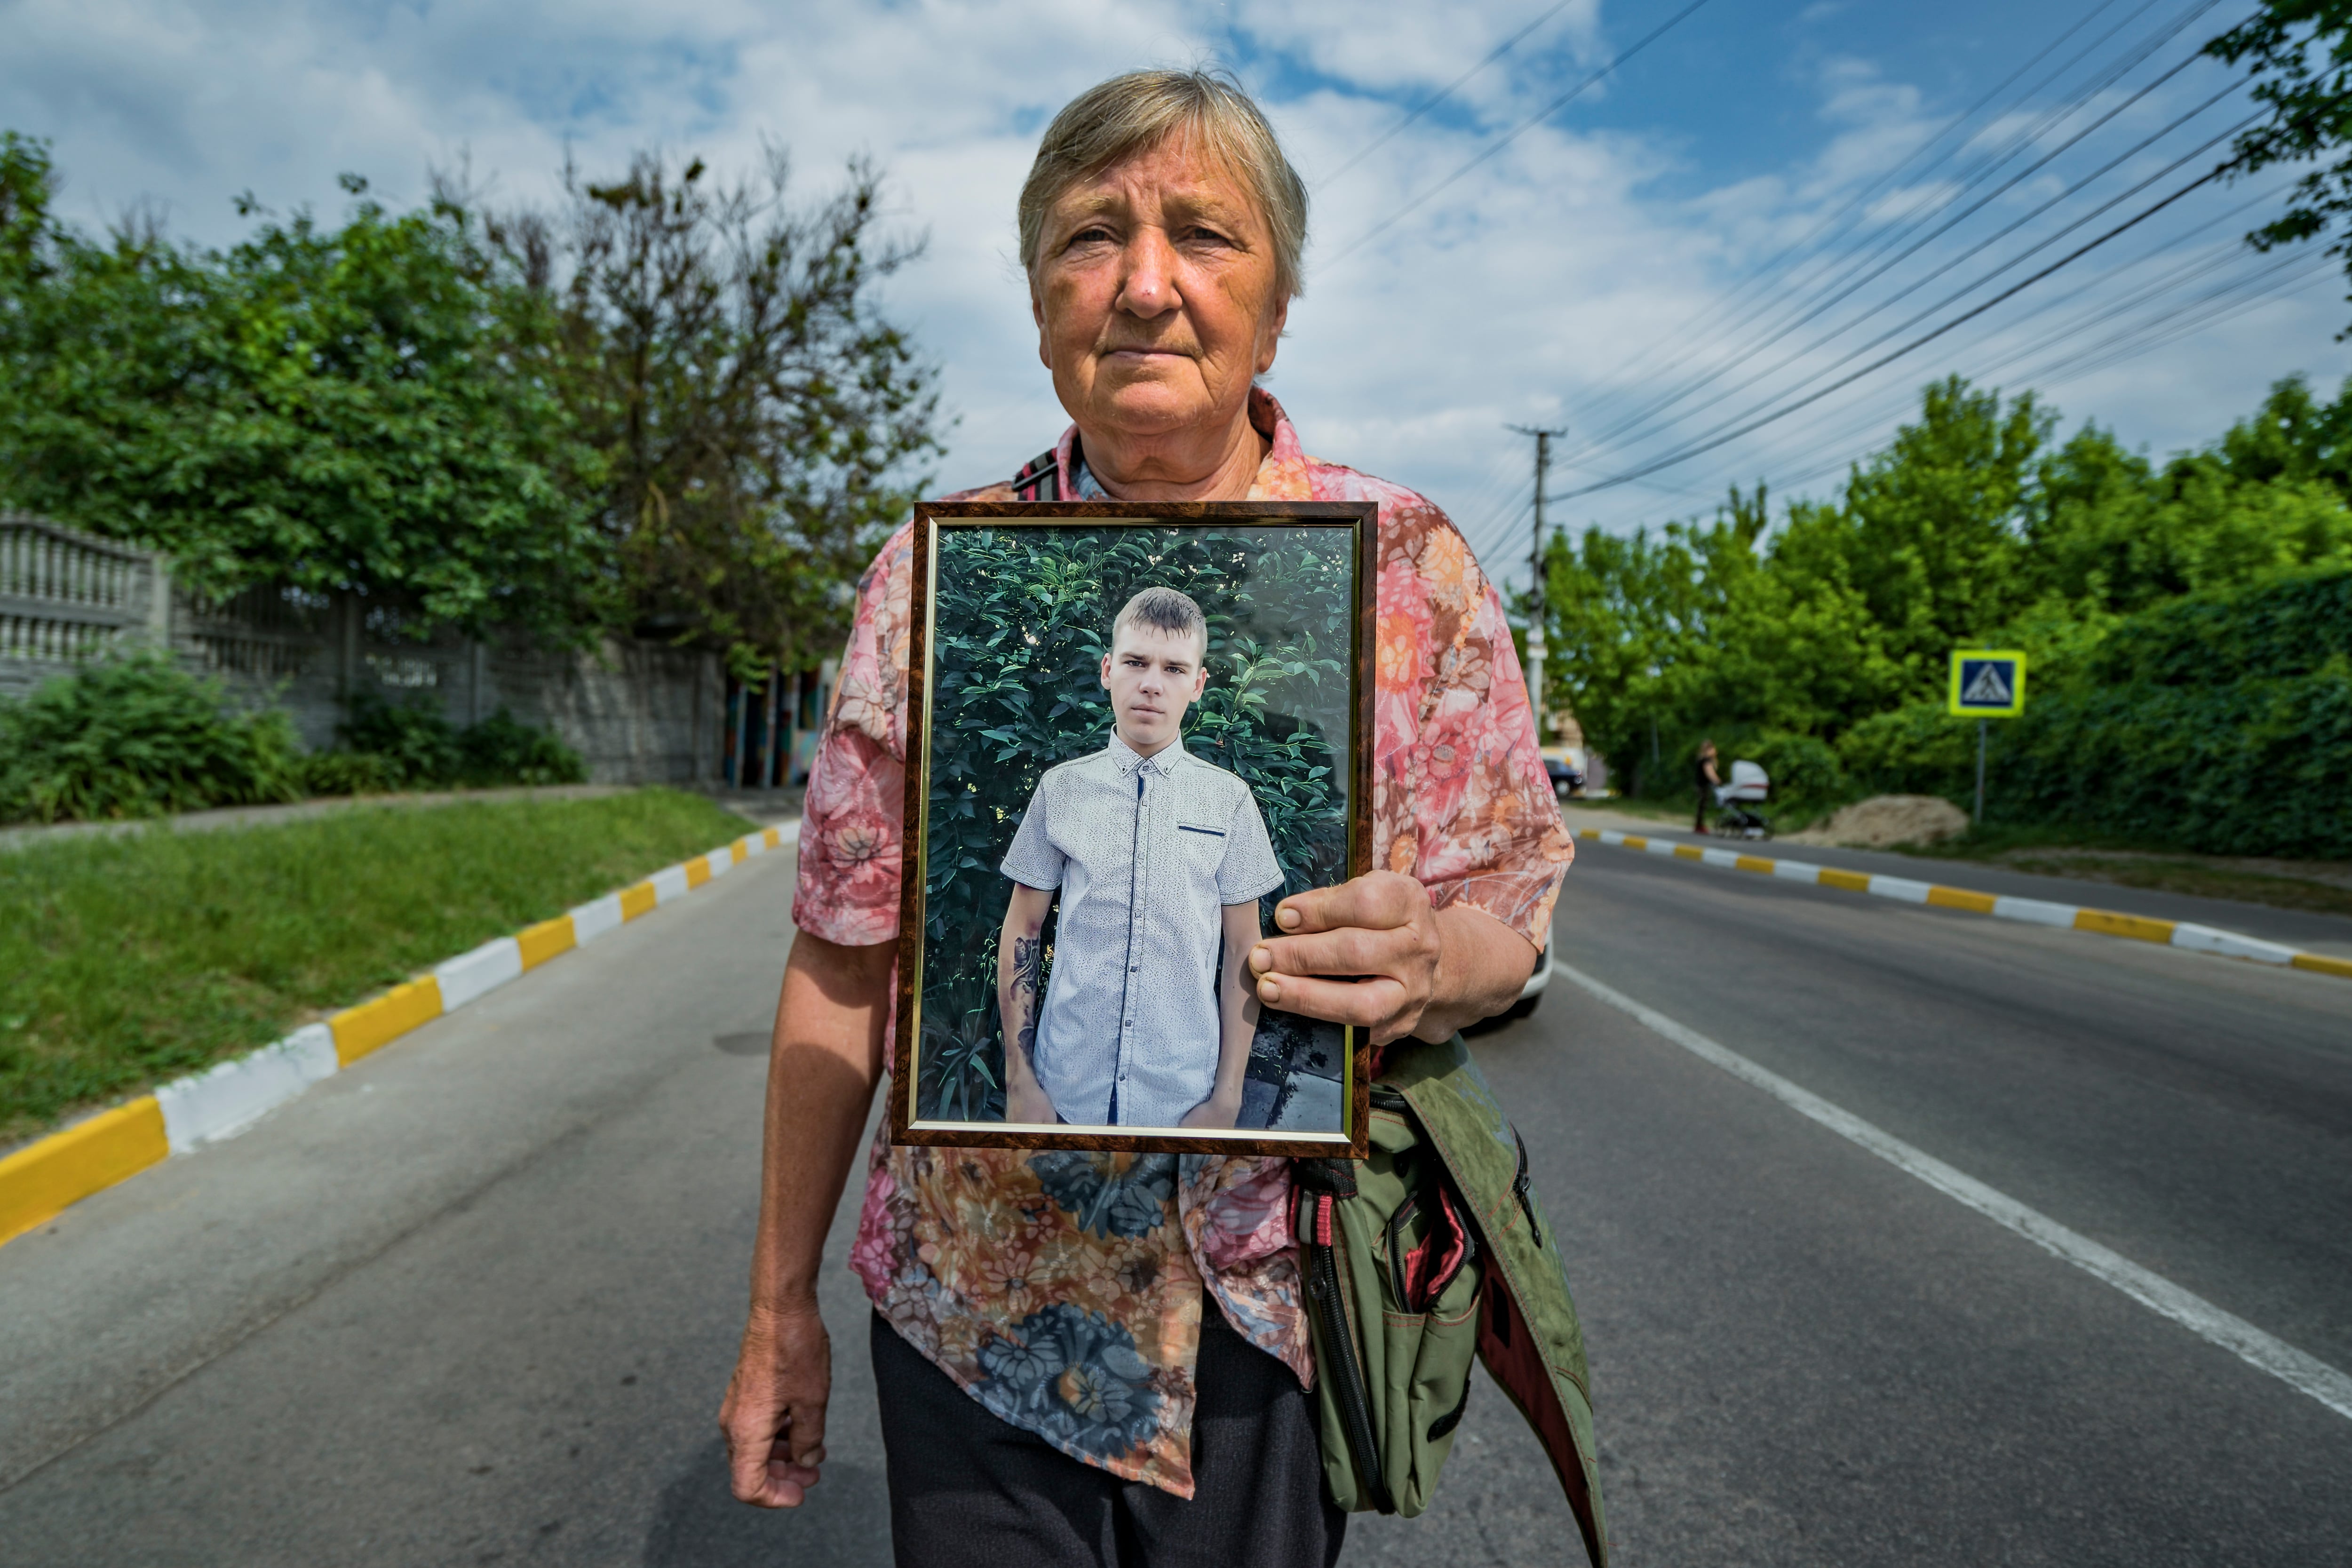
1132,730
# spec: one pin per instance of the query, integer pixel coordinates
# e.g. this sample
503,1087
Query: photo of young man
1159,858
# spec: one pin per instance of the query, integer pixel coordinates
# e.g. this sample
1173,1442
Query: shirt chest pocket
1201,850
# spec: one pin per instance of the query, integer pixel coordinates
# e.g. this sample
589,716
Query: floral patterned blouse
1063,1290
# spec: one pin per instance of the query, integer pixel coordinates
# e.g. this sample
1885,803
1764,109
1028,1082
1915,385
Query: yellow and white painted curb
2034,911
40,1179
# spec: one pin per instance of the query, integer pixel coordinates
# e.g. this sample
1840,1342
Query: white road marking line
2159,1295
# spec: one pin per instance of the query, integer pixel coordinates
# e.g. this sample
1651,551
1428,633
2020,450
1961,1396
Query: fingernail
1286,917
1269,991
1261,960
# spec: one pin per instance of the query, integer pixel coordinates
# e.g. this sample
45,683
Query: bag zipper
1340,1341
1524,1189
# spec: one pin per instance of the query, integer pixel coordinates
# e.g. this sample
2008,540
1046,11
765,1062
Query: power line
1845,287
1824,340
2169,324
2138,337
1836,285
1859,203
1442,93
2220,255
1973,285
1546,112
2150,334
1922,341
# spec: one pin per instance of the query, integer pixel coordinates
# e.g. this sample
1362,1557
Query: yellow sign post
1987,684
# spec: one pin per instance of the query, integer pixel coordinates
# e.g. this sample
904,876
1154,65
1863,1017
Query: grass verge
125,963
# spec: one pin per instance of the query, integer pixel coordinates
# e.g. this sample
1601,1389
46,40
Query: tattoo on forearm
1028,957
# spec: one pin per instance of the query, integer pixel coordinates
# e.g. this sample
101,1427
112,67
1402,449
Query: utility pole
1536,650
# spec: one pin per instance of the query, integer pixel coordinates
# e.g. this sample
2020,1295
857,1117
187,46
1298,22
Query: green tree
1970,525
755,412
2109,534
2298,54
362,408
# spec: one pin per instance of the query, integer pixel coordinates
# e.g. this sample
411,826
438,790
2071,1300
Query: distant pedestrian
1706,779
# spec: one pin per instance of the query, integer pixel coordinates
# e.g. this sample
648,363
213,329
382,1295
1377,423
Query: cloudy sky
1765,199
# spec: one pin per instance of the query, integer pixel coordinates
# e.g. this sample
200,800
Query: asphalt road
475,1301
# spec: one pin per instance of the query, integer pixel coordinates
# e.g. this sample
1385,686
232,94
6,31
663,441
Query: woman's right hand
773,1418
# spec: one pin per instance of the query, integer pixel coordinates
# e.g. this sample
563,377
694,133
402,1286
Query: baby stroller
1736,814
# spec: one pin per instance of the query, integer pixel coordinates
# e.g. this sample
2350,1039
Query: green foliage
2291,625
674,405
128,961
752,410
415,745
2222,723
1917,749
2298,53
502,749
139,736
1805,770
361,407
1970,529
348,772
1022,619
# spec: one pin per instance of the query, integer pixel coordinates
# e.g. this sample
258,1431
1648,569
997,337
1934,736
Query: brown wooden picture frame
930,518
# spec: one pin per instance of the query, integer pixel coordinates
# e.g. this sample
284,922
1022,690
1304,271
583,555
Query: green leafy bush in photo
1022,619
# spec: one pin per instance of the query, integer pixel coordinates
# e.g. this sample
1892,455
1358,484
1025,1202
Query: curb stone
42,1179
2000,906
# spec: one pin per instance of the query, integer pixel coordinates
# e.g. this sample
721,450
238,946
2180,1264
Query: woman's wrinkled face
1154,294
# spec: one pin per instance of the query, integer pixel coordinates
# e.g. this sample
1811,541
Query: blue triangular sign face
1987,687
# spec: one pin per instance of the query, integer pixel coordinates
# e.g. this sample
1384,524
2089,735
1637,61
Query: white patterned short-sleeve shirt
1145,851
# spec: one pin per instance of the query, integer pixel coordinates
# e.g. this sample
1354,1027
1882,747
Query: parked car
1567,770
1565,767
1532,991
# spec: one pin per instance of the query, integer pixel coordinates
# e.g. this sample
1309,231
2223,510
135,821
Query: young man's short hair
1166,610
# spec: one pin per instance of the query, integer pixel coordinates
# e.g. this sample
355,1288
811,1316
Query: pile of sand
1886,819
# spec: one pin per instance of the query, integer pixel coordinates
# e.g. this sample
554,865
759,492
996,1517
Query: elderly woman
1063,1379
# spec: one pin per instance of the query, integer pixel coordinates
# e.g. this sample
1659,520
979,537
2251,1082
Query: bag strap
1040,478
1319,1185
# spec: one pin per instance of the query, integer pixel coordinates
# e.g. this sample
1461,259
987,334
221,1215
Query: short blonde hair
1170,610
1132,113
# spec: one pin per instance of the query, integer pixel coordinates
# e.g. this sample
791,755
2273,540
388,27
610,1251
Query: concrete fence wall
639,713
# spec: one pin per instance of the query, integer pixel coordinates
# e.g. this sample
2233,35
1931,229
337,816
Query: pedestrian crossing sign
1987,684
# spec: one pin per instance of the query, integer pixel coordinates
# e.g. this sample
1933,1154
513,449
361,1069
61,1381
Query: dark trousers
969,1490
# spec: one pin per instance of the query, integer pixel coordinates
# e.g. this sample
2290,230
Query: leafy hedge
139,736
2222,723
416,747
1022,622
